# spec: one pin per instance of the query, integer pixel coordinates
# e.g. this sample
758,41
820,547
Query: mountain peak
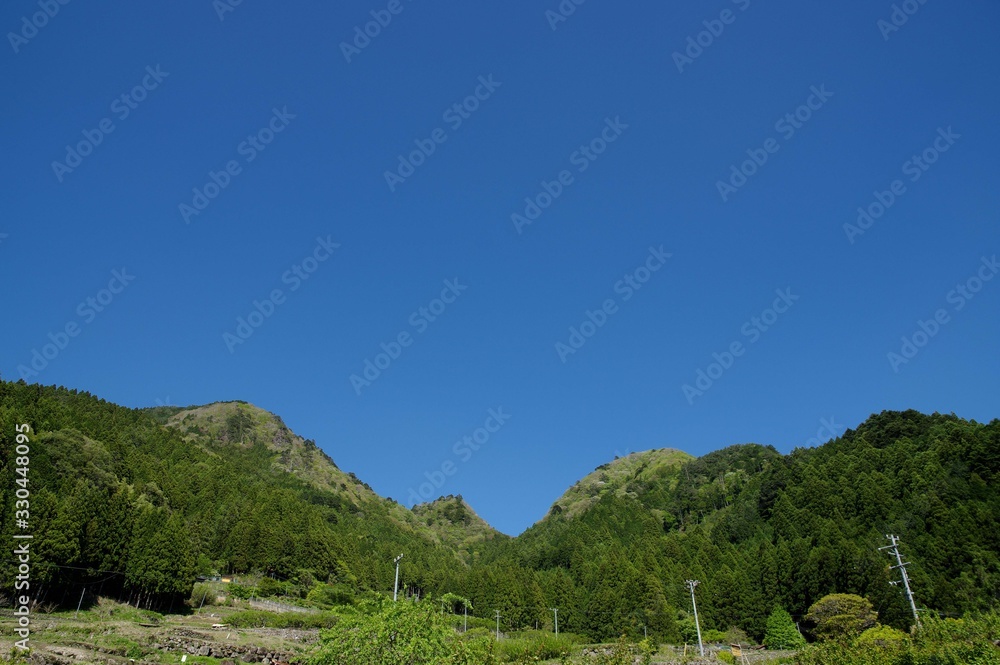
242,424
616,476
454,523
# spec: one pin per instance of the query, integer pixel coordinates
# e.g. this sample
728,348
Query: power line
894,550
691,585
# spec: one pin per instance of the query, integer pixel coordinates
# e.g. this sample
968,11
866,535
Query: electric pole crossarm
893,549
691,585
395,587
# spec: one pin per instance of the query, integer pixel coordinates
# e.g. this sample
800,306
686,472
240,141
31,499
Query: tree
387,633
782,632
841,615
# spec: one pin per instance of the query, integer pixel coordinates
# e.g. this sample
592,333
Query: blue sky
616,125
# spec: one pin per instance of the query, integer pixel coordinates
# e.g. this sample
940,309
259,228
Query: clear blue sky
879,96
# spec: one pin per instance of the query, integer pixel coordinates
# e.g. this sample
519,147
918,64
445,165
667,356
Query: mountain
244,425
135,503
456,526
140,501
622,477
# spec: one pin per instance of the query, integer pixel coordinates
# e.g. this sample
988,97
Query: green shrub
882,636
713,636
387,633
533,647
623,652
841,615
262,619
202,594
941,642
782,632
239,591
329,595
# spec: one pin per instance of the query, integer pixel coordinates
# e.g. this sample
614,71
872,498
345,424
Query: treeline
129,508
760,530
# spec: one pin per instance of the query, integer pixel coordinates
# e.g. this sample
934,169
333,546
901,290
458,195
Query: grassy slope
617,476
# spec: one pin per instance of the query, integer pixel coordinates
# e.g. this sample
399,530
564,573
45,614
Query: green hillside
138,502
135,503
456,526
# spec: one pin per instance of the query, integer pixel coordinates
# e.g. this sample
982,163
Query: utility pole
395,588
691,585
894,550
465,629
78,605
555,612
498,625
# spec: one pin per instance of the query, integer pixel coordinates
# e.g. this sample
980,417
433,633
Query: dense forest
136,503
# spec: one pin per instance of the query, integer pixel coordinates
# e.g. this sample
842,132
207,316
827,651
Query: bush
712,636
882,636
386,633
239,591
268,587
623,652
110,609
782,632
202,594
327,595
262,619
533,647
841,615
941,642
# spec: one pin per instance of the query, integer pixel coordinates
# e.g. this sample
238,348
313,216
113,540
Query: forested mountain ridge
139,501
622,477
760,529
244,425
126,501
456,525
